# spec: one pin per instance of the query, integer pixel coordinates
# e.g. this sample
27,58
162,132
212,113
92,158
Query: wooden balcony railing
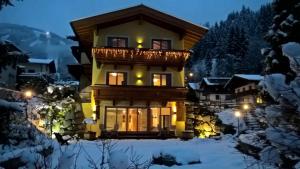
151,57
147,93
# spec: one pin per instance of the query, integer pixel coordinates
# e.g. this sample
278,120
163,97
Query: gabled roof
83,28
238,80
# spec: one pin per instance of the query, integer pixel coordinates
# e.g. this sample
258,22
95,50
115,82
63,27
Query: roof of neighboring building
194,86
238,80
83,28
212,81
250,77
40,61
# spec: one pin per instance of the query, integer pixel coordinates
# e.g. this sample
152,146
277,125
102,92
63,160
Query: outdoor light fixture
191,74
28,94
245,106
237,113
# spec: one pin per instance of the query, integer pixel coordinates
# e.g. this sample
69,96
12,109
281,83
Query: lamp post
238,115
28,95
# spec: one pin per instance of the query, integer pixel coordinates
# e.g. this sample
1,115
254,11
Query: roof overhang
83,28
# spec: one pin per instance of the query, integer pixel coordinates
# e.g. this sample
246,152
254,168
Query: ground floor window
137,119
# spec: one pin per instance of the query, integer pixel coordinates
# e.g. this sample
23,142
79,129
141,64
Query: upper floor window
116,78
117,42
161,79
161,44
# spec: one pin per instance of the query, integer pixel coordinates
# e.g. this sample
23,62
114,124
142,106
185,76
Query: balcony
145,93
149,57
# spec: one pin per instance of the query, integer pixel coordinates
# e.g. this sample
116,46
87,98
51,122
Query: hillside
40,44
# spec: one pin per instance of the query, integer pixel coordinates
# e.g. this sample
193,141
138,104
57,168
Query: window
117,42
116,78
217,97
161,79
161,44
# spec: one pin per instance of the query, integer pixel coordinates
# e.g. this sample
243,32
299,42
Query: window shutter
107,78
169,80
125,78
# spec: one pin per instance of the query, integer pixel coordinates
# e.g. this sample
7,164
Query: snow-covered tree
282,82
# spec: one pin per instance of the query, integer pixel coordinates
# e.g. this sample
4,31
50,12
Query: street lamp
191,74
245,106
238,115
28,95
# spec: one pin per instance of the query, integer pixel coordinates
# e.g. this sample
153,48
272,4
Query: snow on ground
227,117
213,154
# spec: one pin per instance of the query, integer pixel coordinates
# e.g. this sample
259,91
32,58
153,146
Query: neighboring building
132,63
14,57
44,66
213,94
244,87
42,70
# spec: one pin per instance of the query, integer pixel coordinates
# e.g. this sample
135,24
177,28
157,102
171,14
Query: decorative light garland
142,54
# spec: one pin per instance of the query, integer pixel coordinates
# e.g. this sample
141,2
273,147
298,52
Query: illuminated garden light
245,106
28,94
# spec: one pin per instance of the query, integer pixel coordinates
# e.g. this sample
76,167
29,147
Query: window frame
110,44
169,41
124,76
168,77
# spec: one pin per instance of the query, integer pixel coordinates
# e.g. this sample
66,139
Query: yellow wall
135,31
139,75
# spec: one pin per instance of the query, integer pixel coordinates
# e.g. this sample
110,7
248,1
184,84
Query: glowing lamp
28,94
245,106
191,74
114,74
237,113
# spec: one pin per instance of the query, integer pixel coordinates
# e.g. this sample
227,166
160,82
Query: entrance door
137,119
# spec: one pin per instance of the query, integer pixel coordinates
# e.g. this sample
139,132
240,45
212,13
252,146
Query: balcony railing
151,57
146,93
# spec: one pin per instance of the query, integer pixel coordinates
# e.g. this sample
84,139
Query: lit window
161,44
116,78
117,42
161,79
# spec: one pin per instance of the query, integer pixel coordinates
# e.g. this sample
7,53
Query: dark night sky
55,15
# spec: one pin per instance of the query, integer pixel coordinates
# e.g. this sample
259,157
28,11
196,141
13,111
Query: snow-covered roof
215,80
40,61
249,76
194,86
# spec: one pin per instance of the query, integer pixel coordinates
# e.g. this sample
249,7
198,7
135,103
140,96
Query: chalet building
132,70
213,94
15,57
44,66
245,89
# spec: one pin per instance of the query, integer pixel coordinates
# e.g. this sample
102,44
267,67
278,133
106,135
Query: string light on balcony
146,53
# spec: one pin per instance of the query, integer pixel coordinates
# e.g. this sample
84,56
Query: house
44,66
245,88
14,57
132,69
213,94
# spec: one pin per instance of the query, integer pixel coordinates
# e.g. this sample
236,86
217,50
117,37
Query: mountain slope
40,44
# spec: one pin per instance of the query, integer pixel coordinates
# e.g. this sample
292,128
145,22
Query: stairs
252,122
